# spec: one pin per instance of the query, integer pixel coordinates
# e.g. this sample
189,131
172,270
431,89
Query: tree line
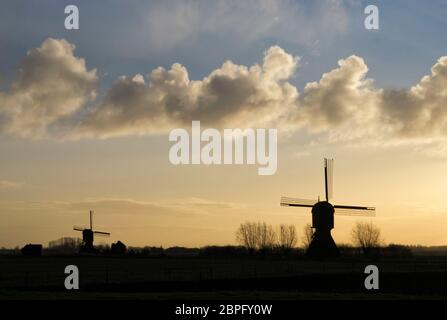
259,236
263,237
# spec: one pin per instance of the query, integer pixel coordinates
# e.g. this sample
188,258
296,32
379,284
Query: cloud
181,207
119,206
51,84
232,95
203,205
341,96
5,184
54,95
345,103
419,112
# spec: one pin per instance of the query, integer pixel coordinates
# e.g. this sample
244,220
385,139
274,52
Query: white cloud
54,93
419,112
51,84
342,95
232,95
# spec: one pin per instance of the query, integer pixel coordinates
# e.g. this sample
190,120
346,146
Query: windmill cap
323,206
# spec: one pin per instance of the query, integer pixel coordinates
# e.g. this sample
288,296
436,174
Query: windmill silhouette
88,235
322,244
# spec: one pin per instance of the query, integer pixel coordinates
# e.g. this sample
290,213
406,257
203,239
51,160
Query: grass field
220,278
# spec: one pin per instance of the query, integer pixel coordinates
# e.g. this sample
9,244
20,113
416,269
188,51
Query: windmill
322,244
88,235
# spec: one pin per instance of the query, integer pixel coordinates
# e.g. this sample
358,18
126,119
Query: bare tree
287,237
366,236
246,235
256,236
307,237
65,245
266,237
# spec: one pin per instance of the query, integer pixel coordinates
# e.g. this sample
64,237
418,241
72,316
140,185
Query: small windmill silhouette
322,244
88,235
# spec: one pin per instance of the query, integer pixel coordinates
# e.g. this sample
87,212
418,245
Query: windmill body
322,244
87,240
88,236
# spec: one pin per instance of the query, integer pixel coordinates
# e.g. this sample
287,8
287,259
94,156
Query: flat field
104,277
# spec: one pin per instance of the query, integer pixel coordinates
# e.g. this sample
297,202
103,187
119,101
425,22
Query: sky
85,116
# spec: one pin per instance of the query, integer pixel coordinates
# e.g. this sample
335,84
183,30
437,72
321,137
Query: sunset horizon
190,159
85,124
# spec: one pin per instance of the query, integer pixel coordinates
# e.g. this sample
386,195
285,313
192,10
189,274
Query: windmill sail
295,202
102,233
322,244
354,210
91,227
328,186
328,177
88,236
343,210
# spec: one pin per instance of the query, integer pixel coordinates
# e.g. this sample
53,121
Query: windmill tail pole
91,219
325,180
